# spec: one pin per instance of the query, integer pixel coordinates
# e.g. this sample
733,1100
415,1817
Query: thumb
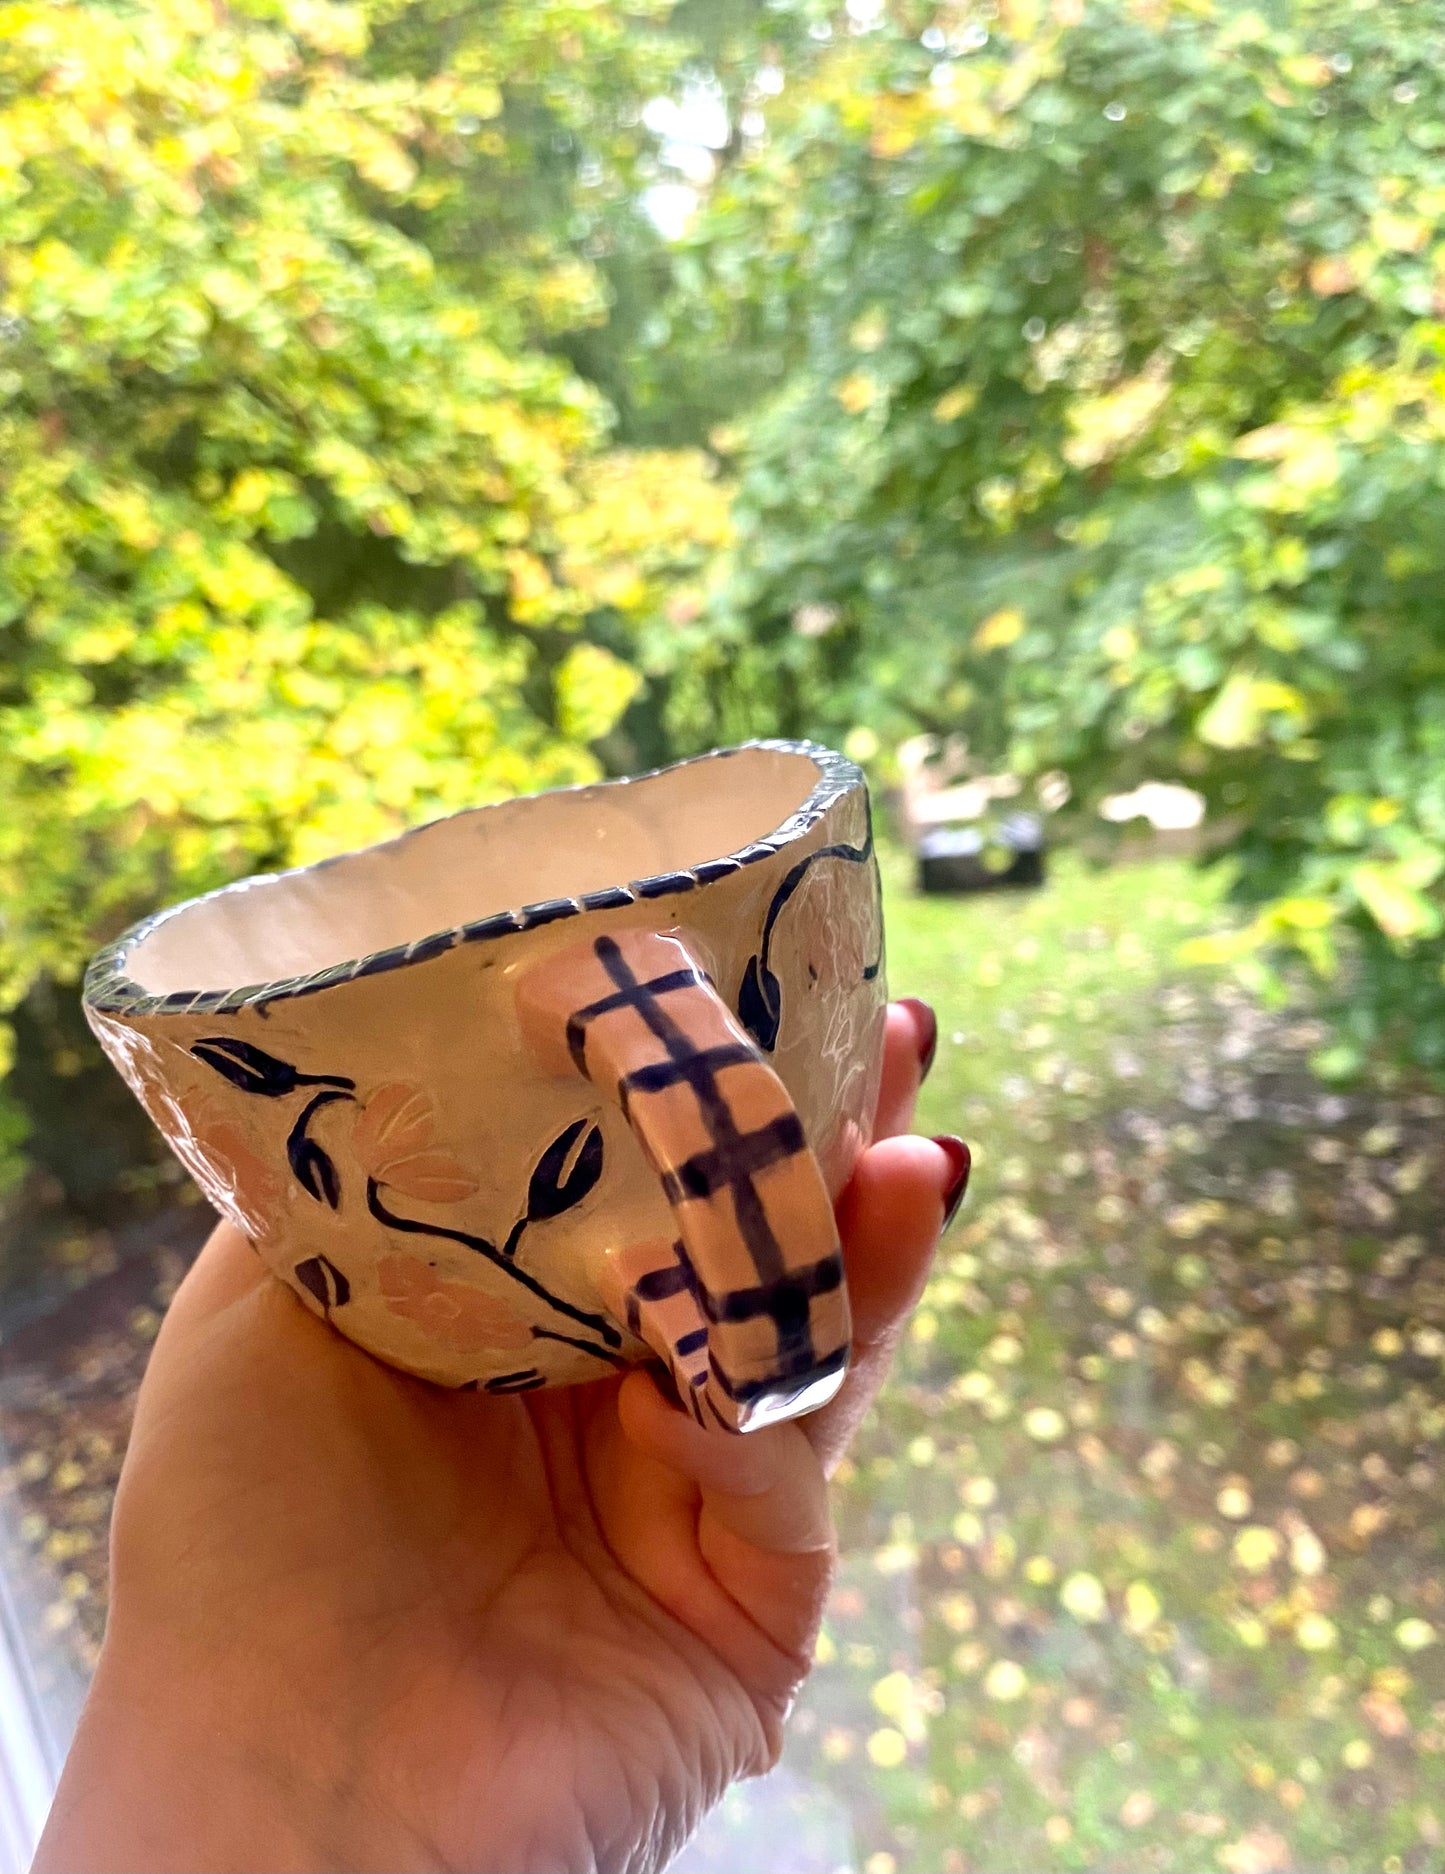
764,1525
765,1487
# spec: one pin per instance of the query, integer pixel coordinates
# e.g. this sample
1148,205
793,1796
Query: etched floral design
256,1187
454,1315
217,1153
393,1144
392,1140
834,939
760,994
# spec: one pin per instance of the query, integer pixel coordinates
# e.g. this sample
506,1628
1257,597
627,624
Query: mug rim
108,990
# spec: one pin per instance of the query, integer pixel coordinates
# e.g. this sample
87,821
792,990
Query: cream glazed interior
338,1055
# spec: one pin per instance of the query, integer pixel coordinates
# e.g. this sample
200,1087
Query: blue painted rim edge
109,991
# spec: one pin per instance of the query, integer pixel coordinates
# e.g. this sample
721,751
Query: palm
465,1556
552,1628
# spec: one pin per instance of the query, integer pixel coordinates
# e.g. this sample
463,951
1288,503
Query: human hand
360,1622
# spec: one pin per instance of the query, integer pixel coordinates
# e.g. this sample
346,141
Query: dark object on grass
984,857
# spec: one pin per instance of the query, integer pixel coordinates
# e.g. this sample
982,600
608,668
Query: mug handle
748,1305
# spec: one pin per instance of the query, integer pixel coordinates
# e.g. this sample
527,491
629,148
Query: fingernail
925,1028
961,1159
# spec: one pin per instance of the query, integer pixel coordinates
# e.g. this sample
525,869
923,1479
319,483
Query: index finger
889,1218
906,1051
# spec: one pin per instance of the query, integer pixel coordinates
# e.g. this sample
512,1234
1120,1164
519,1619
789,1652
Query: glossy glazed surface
380,1125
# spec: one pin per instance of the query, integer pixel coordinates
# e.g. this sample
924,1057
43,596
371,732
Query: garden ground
1143,1564
1143,1554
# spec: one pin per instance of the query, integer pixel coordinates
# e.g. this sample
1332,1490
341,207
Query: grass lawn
1143,1556
1143,1559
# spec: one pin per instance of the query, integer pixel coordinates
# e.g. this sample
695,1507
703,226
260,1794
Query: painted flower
392,1140
836,937
234,1176
453,1315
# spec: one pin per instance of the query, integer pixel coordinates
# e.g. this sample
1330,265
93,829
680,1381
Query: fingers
907,1055
764,1531
889,1219
765,1487
763,1522
223,1276
229,1308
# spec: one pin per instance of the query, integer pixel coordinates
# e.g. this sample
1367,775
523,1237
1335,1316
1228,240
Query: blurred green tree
309,529
1111,432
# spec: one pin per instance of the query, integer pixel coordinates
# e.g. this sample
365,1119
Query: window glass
1141,1561
1041,402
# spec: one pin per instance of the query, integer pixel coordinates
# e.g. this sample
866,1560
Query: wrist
173,1767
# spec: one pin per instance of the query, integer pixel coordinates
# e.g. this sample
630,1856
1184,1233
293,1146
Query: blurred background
406,404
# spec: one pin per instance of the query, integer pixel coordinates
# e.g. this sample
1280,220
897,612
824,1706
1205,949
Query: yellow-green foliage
1112,434
304,534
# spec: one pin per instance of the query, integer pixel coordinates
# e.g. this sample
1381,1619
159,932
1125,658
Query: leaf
760,1004
247,1067
1397,907
1333,273
1103,427
1000,629
316,1172
395,1123
955,403
1141,1607
1005,1681
550,1192
1082,1595
313,1166
856,392
1237,716
321,1277
436,1177
593,687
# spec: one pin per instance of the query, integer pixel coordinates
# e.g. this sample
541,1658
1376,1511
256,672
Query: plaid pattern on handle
747,1305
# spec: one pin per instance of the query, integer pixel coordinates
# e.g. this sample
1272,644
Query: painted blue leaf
760,1004
313,1166
254,1071
558,1184
322,1279
317,1173
246,1067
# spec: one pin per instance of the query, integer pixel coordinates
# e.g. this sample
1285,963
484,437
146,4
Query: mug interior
474,865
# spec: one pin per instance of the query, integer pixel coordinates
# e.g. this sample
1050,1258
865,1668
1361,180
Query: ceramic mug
516,1148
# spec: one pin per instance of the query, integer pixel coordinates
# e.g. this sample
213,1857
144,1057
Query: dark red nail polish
961,1160
925,1024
